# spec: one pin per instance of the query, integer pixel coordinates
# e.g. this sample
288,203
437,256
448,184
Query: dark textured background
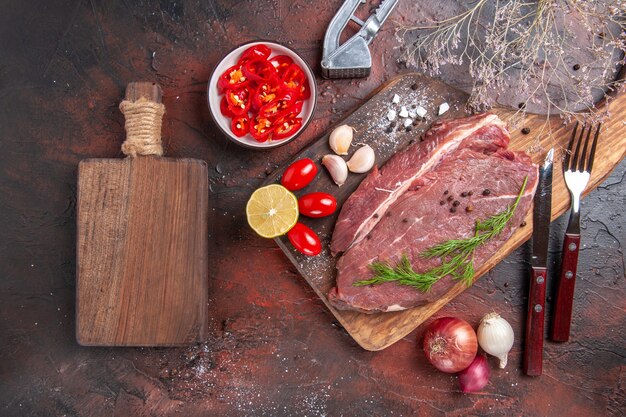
273,349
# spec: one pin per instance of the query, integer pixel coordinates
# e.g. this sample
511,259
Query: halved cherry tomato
281,63
267,91
258,69
287,126
254,52
305,240
317,204
238,100
299,174
261,128
295,79
232,77
240,125
224,108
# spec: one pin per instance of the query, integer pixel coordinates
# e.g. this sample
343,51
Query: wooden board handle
143,111
565,291
533,349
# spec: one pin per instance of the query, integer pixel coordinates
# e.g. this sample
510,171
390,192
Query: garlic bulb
336,167
495,336
340,139
362,160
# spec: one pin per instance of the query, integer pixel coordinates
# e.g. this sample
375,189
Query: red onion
450,344
475,376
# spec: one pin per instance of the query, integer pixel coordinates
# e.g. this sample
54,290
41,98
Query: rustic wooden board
142,277
378,331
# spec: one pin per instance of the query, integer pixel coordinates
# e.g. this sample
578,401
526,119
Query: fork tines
582,161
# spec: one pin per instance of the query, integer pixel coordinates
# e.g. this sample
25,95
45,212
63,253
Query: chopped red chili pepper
240,125
258,69
254,52
281,63
238,100
231,78
261,128
287,126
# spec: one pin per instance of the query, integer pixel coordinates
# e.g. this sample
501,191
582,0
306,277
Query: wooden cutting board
378,331
142,276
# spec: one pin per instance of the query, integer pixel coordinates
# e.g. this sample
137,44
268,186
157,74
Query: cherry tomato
232,77
261,128
240,125
295,79
317,204
258,69
281,63
255,52
287,126
305,240
299,174
238,100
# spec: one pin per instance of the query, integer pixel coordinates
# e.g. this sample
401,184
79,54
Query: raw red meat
398,210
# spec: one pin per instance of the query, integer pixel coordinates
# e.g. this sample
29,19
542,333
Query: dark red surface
273,349
562,316
535,319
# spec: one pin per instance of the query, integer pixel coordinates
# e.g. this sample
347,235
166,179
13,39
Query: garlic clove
495,336
336,167
340,139
362,160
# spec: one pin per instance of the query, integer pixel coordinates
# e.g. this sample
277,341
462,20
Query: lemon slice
272,210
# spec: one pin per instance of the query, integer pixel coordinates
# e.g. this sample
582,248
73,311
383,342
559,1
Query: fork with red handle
576,171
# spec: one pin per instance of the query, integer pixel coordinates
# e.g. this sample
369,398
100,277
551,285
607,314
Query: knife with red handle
533,345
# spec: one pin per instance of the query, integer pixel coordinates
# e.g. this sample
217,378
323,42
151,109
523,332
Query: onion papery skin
450,344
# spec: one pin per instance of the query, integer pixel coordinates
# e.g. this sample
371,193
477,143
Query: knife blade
533,349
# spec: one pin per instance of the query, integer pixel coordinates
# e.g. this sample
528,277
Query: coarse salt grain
391,115
408,122
444,107
420,111
403,112
395,99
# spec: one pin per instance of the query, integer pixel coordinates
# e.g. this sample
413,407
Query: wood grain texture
142,247
142,252
378,331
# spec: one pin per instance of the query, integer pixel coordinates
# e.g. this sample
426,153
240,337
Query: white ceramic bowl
224,122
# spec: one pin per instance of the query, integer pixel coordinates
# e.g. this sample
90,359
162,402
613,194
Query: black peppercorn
405,220
375,215
445,192
388,214
456,203
486,191
470,193
389,129
414,87
576,67
368,237
441,203
463,194
450,198
522,105
525,130
523,224
409,128
452,209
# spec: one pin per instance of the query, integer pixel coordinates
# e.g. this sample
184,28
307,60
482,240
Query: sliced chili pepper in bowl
224,108
238,100
258,69
240,125
295,79
231,78
261,128
255,52
287,126
281,63
267,91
